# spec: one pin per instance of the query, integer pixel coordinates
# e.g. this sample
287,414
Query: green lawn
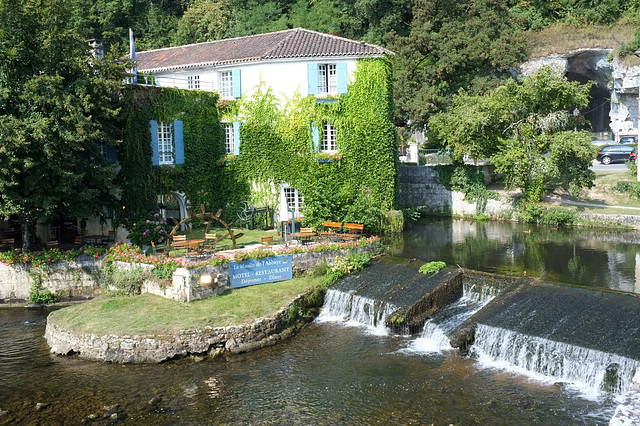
603,195
147,314
249,237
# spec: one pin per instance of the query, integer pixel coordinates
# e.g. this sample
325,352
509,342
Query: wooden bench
353,230
330,230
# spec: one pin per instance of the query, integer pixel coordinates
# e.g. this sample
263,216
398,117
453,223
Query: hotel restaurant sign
260,271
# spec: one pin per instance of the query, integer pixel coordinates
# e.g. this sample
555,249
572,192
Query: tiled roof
295,43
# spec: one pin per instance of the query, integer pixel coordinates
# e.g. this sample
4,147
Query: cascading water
591,371
349,307
436,331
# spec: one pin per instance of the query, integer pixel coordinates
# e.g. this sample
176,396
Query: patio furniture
330,230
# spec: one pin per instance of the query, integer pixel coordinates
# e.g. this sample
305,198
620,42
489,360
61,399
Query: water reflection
331,374
594,258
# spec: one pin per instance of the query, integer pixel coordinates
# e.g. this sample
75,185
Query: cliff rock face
614,102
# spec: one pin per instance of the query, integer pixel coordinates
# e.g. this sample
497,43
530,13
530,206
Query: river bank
141,329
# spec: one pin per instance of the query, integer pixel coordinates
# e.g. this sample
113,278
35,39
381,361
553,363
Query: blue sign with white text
260,271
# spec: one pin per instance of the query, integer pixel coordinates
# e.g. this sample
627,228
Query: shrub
430,267
38,294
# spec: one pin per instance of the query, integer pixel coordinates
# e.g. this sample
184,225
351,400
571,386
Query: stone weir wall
157,348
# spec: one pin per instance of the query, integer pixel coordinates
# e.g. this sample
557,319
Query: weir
587,338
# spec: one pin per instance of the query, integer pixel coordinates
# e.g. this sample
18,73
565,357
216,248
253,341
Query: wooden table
303,237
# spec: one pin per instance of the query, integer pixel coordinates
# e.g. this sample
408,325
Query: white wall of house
284,76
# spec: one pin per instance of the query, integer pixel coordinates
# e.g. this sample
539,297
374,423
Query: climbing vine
358,184
198,177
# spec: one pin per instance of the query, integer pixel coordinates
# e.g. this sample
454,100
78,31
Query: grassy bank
148,314
601,198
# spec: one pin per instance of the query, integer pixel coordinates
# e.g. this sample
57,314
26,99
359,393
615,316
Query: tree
57,103
204,20
452,45
522,126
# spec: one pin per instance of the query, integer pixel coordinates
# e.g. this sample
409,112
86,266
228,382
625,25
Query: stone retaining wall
75,279
157,348
418,187
79,279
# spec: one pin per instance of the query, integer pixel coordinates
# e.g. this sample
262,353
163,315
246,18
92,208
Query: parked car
616,154
628,140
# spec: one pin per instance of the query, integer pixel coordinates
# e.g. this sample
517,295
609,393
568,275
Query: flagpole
132,54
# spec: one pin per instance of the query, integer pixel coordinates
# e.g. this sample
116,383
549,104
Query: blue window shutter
112,154
237,86
178,141
312,78
341,70
236,138
155,151
315,137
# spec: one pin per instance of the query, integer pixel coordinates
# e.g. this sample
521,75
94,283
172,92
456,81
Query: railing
166,81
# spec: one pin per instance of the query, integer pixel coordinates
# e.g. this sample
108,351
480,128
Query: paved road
609,167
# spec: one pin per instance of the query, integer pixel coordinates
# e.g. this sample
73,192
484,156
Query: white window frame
228,137
193,82
293,199
166,148
226,84
328,142
327,78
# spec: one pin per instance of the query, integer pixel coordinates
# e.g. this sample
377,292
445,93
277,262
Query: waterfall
436,331
590,370
352,308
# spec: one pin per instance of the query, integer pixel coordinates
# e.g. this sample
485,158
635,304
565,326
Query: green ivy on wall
276,147
199,177
358,185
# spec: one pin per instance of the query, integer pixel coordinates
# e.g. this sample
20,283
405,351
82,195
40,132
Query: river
331,373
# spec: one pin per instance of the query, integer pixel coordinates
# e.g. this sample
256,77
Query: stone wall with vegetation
419,187
70,279
81,278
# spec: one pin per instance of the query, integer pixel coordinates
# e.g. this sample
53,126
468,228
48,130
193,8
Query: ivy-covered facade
323,156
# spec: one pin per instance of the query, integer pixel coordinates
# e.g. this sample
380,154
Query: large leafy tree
525,128
57,103
466,44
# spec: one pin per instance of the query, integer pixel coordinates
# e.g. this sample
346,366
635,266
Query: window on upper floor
226,84
327,78
227,128
328,143
193,82
167,142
